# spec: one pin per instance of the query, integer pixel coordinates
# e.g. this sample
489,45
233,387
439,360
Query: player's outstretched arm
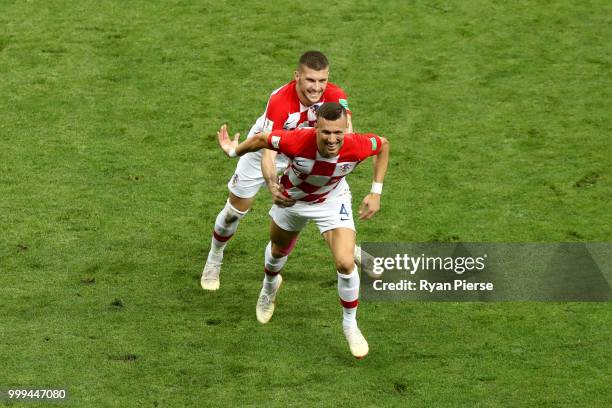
268,169
233,149
371,203
349,123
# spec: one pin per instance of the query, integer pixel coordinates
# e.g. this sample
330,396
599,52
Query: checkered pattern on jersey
311,177
285,111
311,180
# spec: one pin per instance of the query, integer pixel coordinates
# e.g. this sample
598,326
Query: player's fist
369,206
227,145
278,197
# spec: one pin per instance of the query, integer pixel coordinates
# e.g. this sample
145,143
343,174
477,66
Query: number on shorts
344,213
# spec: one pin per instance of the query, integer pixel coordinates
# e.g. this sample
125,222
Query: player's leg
284,229
226,224
334,219
243,187
341,241
361,257
227,221
277,251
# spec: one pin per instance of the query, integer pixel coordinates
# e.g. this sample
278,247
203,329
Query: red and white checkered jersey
285,111
311,177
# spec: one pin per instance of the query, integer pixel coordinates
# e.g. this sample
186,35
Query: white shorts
247,178
336,212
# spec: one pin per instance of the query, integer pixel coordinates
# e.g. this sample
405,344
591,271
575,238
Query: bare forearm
371,203
381,161
252,144
349,124
268,167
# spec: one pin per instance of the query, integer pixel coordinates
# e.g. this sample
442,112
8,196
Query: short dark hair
331,111
313,60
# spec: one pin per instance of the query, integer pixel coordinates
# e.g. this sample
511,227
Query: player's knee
345,264
277,251
233,214
240,205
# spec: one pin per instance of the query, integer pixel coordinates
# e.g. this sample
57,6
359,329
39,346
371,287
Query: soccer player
289,107
320,158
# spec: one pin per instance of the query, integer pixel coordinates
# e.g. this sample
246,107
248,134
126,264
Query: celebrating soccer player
315,187
289,107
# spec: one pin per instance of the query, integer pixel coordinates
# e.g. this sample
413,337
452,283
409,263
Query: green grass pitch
498,114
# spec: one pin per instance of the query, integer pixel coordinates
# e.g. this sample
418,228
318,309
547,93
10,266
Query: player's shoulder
297,134
358,145
299,138
365,138
284,91
333,90
294,142
283,99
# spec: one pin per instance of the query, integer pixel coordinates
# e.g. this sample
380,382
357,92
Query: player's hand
369,206
225,142
278,197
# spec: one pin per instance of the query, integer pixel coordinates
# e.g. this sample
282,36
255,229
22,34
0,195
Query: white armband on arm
232,153
376,188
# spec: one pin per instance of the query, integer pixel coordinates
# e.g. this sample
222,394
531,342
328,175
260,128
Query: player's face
311,84
330,136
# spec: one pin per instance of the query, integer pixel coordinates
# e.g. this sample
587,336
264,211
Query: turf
498,114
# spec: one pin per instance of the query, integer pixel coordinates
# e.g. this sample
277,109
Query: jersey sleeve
275,114
367,145
285,141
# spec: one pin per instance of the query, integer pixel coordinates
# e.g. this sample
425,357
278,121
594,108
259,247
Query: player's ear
296,75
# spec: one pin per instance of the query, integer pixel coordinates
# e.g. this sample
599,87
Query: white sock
225,227
272,268
348,290
269,283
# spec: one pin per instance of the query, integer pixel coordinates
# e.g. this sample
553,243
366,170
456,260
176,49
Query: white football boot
265,304
210,276
357,343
